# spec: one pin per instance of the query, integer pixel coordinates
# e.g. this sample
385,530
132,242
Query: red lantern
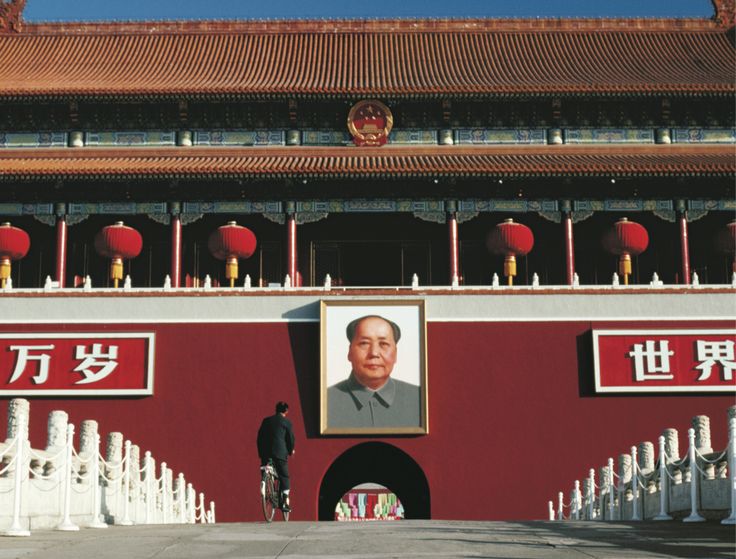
626,238
118,242
231,242
14,245
510,239
726,242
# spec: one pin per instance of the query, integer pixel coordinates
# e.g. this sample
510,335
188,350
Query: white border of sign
662,389
147,391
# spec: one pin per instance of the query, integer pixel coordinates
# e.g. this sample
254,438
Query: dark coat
275,438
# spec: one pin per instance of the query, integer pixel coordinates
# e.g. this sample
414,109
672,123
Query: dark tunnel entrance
381,463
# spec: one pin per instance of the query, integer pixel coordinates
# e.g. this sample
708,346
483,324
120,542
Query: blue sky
97,10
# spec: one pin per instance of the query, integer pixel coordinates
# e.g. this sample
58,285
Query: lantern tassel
4,271
231,270
509,268
116,270
624,266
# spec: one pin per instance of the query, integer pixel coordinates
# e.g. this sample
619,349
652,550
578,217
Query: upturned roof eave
227,94
355,163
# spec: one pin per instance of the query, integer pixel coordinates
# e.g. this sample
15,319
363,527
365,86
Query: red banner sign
76,364
664,360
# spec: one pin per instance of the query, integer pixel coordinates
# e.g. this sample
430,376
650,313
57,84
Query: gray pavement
401,540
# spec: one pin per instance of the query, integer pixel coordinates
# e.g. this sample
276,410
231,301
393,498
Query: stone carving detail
603,476
701,425
58,421
11,15
87,437
114,454
671,444
135,467
646,456
18,410
624,468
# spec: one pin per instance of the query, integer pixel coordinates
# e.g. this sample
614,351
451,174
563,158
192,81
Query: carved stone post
646,463
587,496
672,448
18,416
701,424
114,455
604,490
56,441
135,475
58,421
646,456
624,477
19,411
87,446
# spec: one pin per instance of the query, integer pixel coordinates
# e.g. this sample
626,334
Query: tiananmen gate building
545,207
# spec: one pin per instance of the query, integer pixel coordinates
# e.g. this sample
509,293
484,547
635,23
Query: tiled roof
388,161
368,58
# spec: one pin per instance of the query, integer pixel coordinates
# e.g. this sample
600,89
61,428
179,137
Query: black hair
282,407
350,330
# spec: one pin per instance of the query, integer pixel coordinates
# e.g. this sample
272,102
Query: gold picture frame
363,391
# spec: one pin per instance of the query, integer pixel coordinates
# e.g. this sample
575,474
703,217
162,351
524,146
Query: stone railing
698,485
63,488
495,284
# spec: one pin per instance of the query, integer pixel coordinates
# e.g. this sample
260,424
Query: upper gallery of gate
356,58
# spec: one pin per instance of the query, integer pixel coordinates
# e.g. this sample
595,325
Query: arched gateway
380,463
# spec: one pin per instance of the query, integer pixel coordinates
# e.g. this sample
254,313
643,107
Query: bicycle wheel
269,499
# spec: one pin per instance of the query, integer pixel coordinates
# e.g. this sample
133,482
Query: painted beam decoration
76,364
664,360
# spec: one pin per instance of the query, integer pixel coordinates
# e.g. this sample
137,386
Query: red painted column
684,243
175,250
569,245
291,254
454,246
61,236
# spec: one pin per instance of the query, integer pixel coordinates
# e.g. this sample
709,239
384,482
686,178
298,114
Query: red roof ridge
401,25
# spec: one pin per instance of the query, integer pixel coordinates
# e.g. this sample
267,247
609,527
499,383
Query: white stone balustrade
58,487
693,488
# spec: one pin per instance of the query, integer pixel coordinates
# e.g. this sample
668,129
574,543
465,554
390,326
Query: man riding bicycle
276,443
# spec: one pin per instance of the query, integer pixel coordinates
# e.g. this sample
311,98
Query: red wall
509,403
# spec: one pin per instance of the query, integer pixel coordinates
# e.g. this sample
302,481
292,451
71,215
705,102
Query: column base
68,527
